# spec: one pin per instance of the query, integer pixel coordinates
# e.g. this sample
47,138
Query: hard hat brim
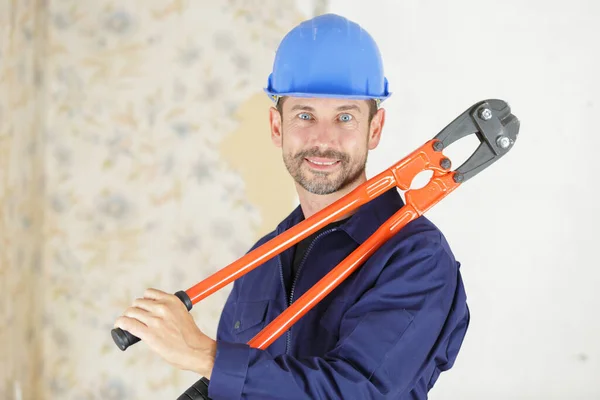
275,95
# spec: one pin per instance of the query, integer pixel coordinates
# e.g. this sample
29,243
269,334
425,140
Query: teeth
322,163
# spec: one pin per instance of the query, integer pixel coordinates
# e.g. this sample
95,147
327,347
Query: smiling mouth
321,163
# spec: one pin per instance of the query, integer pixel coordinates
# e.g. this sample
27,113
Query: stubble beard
324,182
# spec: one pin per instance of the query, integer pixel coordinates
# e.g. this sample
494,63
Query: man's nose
323,136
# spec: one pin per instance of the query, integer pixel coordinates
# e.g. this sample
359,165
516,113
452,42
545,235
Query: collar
365,221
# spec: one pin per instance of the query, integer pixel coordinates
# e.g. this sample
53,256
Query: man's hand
161,321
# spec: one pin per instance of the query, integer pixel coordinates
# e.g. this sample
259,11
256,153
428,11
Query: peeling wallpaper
128,137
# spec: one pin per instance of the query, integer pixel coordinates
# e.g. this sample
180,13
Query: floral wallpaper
21,192
119,170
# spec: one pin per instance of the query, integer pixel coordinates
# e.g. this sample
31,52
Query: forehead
324,104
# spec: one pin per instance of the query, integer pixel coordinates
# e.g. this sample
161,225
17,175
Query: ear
376,127
275,123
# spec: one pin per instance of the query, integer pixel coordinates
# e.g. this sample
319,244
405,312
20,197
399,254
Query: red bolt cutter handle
497,130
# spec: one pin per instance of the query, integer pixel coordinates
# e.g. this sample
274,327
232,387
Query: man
388,330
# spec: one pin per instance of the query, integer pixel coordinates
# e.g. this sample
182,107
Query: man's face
325,141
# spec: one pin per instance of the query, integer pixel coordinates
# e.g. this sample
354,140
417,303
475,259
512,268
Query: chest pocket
249,319
332,317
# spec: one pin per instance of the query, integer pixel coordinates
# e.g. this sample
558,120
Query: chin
321,188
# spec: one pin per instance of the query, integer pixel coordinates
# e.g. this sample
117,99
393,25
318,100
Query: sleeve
386,339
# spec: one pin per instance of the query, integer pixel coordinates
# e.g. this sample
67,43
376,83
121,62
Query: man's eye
304,116
345,117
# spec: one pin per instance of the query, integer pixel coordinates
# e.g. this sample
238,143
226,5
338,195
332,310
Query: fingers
155,304
145,304
132,325
158,298
139,314
155,294
159,308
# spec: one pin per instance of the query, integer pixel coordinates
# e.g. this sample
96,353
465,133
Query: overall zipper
291,298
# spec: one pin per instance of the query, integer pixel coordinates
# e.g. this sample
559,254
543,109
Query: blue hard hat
328,56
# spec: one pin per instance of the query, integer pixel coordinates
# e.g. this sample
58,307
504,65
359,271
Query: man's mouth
321,163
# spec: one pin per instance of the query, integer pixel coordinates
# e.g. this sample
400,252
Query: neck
313,203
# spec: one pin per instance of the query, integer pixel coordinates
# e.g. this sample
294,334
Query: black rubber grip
124,339
198,391
185,299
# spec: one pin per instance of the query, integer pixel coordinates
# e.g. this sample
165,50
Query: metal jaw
494,125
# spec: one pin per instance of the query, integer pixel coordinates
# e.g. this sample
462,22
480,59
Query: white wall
526,229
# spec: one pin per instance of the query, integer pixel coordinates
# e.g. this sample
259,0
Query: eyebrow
302,107
347,107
